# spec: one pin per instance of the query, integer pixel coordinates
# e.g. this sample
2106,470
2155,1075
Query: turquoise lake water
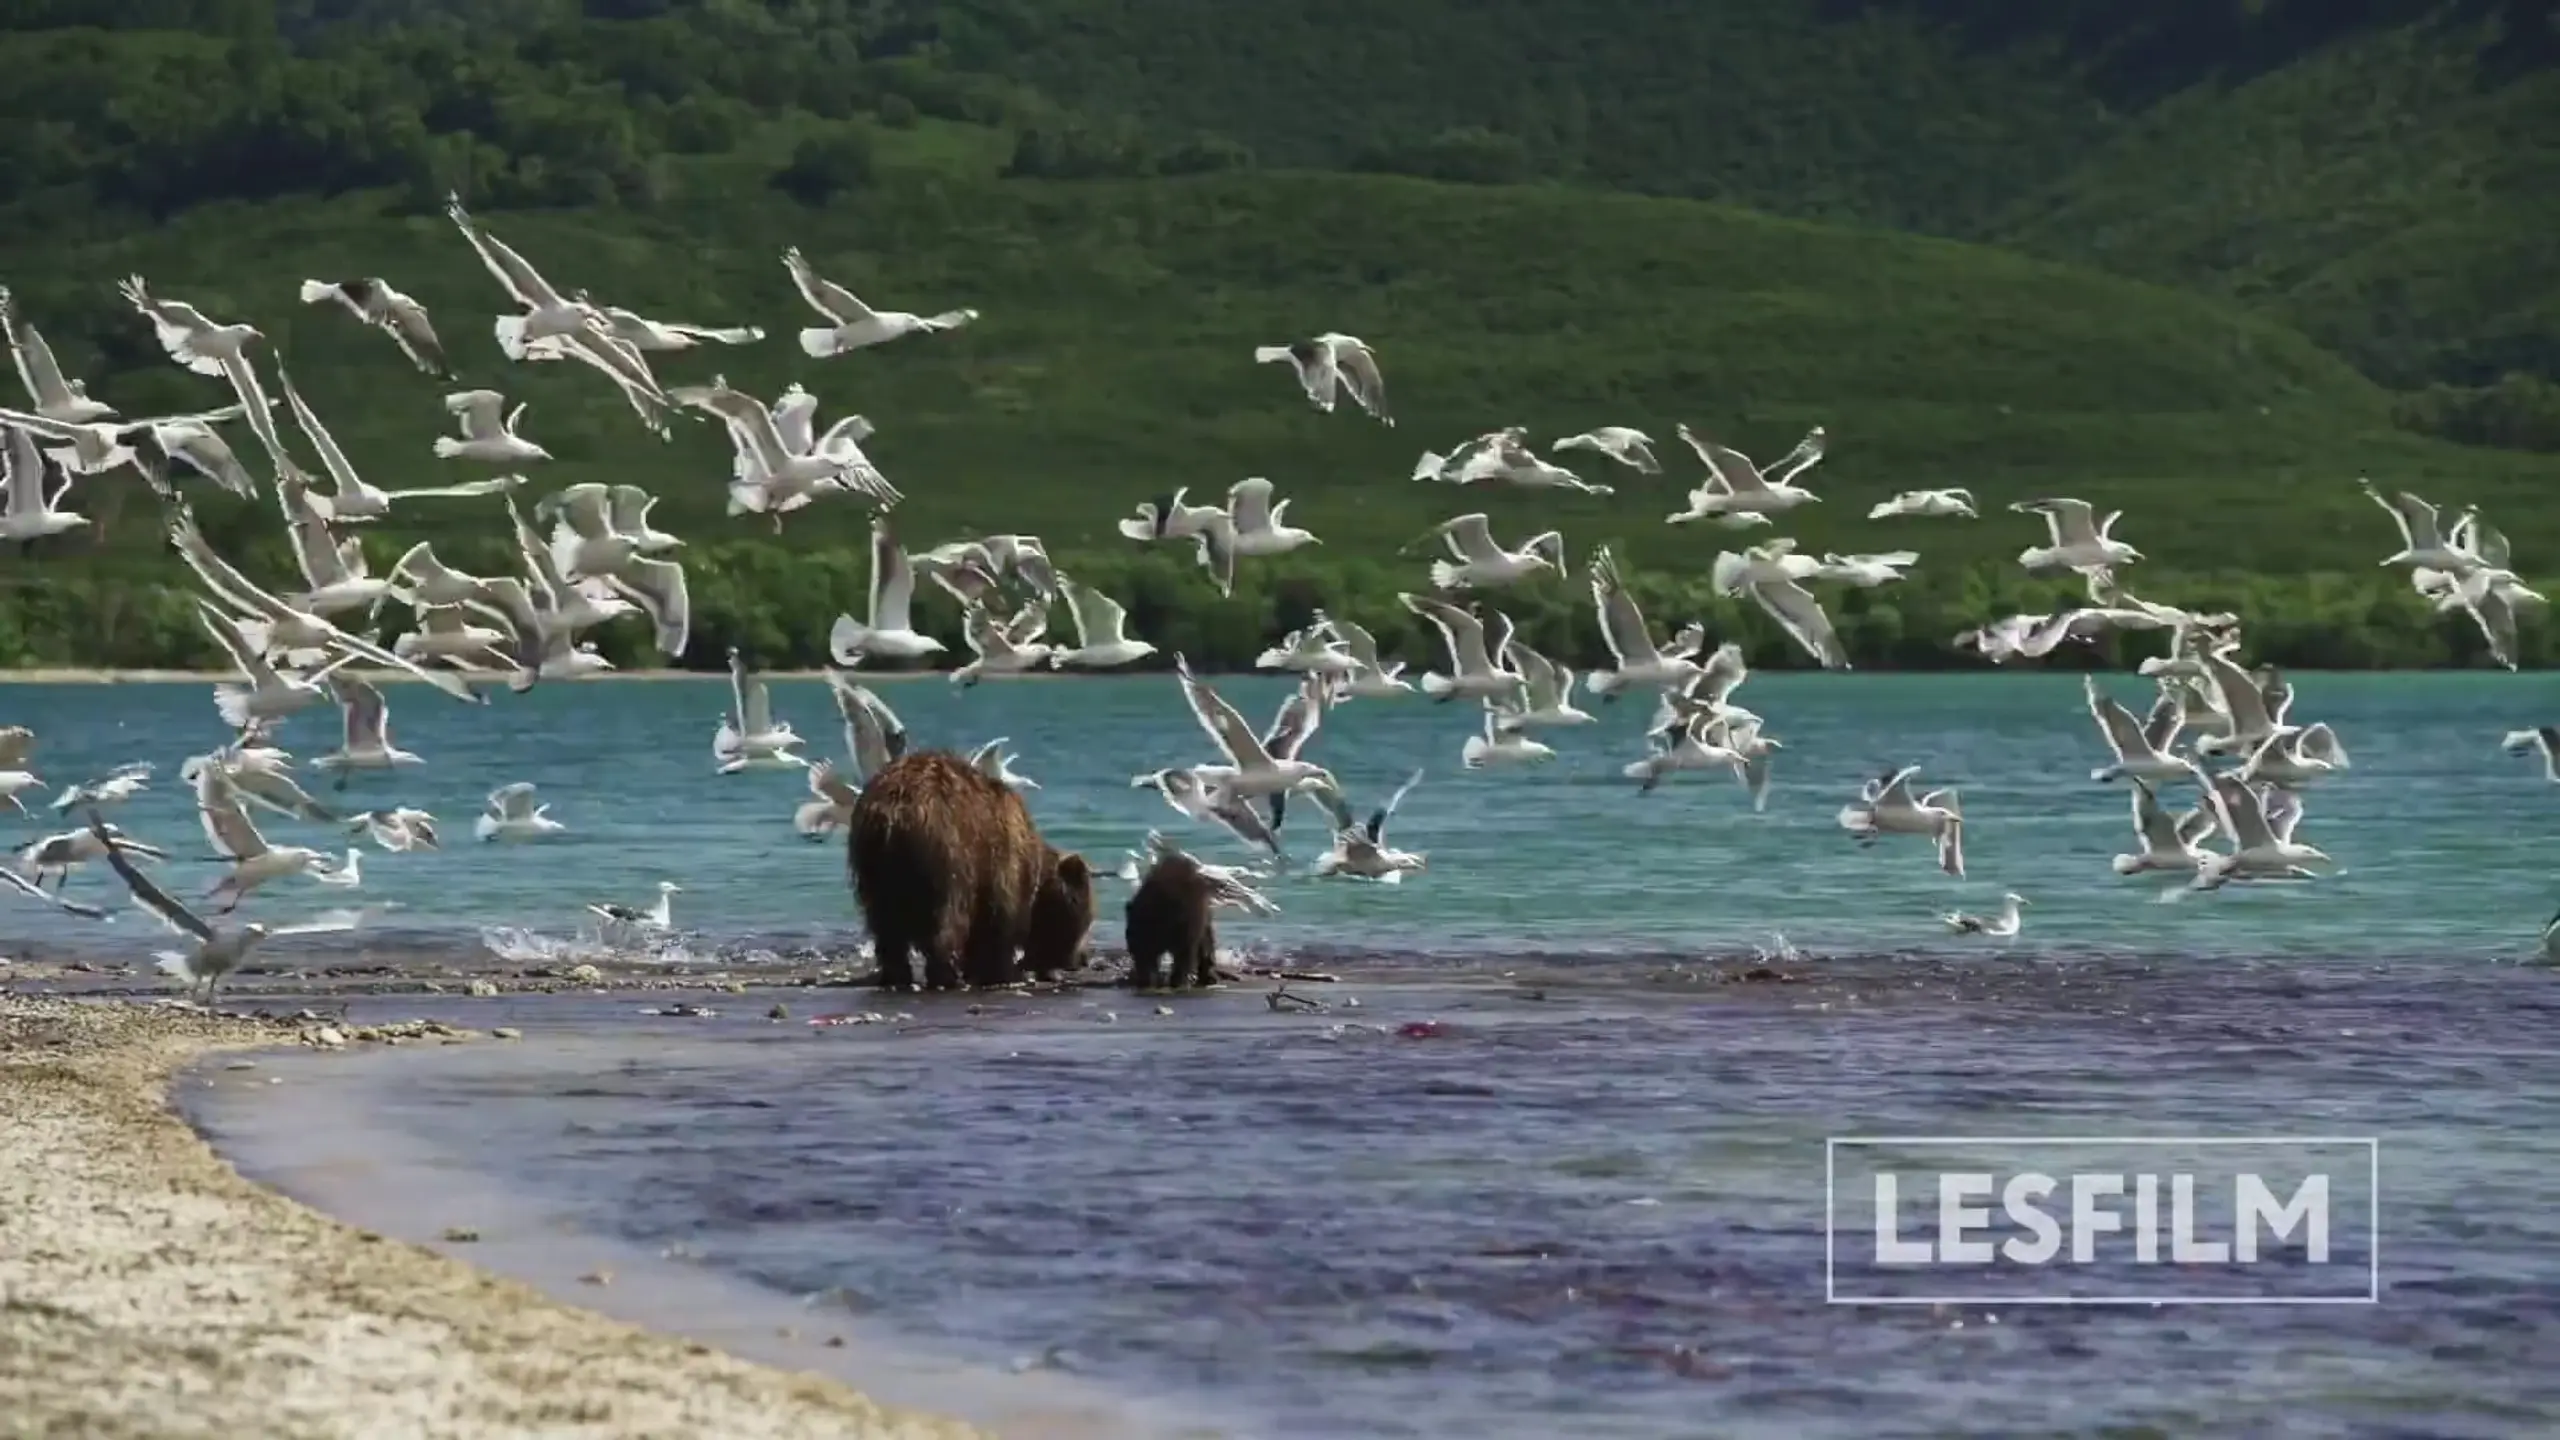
2445,842
1538,1179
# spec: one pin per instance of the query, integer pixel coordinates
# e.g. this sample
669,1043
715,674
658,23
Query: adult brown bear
947,861
1169,919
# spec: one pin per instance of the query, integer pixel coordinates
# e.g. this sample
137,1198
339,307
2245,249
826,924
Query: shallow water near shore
1574,1202
1587,1194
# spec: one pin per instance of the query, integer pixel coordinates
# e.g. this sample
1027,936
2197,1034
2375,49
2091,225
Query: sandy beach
146,1289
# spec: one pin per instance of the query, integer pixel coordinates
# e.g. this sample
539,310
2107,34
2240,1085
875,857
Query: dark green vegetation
1101,180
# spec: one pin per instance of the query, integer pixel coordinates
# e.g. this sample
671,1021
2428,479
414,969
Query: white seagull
367,744
1885,807
351,498
1503,743
1927,504
852,325
1360,848
1205,798
1102,640
641,333
873,734
1005,645
1331,363
2422,543
2001,926
765,458
30,513
2169,843
488,431
891,633
373,301
1641,664
632,921
1169,517
1866,571
221,351
1473,673
996,763
1548,687
1369,679
234,837
2545,738
1631,448
512,815
53,396
2078,538
217,952
1697,746
120,785
749,737
829,807
2260,823
1735,487
1255,770
2141,747
1477,560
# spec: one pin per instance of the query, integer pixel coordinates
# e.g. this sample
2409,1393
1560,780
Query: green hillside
640,160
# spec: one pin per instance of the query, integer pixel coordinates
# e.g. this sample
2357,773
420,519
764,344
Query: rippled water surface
1549,1175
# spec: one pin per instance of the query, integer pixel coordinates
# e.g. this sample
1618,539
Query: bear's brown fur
1169,919
1061,916
946,861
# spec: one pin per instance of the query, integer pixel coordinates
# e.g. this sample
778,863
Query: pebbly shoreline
147,1289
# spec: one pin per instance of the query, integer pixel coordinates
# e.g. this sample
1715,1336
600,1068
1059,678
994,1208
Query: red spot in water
1422,1030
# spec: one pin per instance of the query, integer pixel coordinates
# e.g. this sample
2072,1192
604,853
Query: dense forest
1558,215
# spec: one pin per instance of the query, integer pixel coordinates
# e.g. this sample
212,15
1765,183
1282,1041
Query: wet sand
147,1289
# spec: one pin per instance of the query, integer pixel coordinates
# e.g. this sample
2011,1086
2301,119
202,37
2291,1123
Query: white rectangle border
1830,1215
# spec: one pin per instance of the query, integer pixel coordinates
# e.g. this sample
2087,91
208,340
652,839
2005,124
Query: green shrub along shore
1126,257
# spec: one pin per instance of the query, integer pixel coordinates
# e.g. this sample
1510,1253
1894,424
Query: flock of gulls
588,556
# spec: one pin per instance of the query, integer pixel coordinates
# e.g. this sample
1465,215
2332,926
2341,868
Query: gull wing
27,887
2242,813
1100,620
1297,720
824,296
1802,617
1377,828
226,822
1462,632
2116,723
34,358
521,280
1249,505
513,801
366,714
1224,725
893,581
149,896
332,459
1470,538
1357,364
1621,623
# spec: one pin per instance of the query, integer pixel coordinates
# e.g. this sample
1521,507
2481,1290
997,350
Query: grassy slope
1878,119
2380,194
1113,363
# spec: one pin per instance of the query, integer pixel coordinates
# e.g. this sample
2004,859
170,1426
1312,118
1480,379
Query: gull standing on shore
217,952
